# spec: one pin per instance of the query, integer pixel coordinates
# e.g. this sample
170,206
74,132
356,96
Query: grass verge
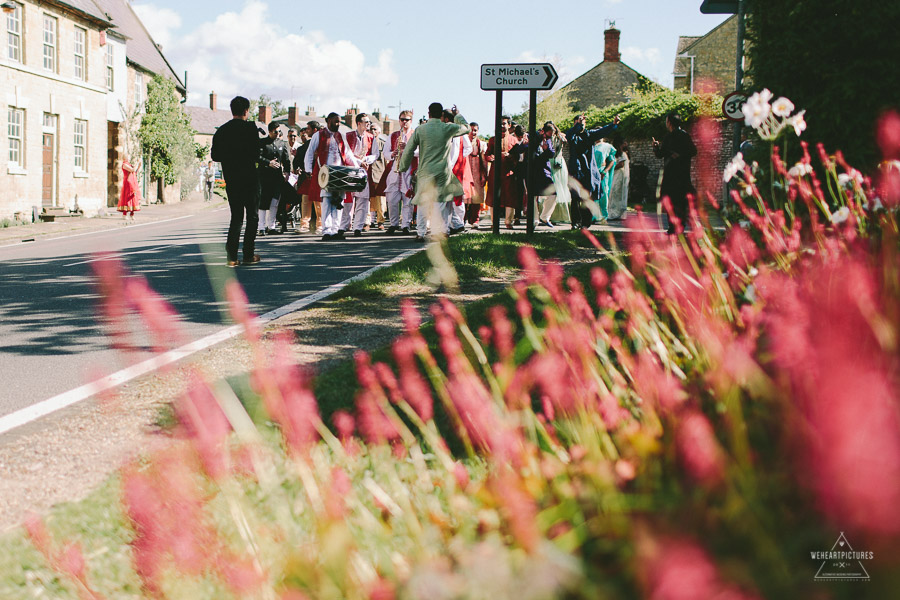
474,256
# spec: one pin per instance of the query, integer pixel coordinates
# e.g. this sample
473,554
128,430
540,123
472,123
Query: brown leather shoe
251,261
232,263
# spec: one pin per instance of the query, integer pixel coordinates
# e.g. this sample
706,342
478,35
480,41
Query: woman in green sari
602,174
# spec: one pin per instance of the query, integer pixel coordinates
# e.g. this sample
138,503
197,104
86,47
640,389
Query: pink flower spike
461,474
410,315
240,309
344,423
698,449
679,569
889,135
531,264
205,425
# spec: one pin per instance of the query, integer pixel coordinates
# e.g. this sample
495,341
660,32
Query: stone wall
641,153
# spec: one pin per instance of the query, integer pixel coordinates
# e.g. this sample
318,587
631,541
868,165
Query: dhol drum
339,178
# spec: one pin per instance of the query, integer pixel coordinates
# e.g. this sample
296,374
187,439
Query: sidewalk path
113,219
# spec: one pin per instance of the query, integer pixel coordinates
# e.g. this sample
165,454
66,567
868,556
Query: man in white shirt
395,184
328,147
454,211
360,144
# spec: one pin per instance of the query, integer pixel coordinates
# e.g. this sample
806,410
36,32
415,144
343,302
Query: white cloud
645,55
249,53
160,22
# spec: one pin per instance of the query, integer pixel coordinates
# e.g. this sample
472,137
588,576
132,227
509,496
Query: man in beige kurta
436,184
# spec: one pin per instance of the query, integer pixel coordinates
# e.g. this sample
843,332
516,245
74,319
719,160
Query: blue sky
381,54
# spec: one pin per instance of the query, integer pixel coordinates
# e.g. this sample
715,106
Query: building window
80,50
110,61
80,144
50,43
14,128
139,92
14,33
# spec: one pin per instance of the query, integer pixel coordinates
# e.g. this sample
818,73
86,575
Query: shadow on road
49,305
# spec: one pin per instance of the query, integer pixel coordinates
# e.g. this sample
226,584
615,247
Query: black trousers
581,214
243,197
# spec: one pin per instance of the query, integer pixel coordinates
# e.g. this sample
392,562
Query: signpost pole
498,147
739,73
530,162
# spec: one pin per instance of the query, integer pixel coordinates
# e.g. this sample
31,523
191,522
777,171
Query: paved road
51,339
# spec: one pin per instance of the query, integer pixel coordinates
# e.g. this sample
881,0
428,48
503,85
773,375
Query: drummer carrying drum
328,148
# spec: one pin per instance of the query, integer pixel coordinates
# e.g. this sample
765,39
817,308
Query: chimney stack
212,101
292,116
265,114
611,50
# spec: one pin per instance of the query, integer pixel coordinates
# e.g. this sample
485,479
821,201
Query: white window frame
138,92
15,134
14,25
81,45
80,144
110,66
50,38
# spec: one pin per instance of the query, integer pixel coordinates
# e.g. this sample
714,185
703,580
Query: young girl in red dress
130,199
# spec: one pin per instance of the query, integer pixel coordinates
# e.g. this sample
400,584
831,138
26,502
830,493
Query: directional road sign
520,76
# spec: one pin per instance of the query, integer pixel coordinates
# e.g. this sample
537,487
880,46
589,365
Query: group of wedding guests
597,174
592,186
598,177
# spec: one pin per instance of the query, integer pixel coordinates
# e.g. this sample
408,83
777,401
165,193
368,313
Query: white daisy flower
736,166
782,107
798,122
840,215
757,109
800,169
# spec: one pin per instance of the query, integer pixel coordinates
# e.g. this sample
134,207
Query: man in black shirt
236,145
676,149
581,144
274,167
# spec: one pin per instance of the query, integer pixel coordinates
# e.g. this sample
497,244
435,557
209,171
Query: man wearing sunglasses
360,143
396,184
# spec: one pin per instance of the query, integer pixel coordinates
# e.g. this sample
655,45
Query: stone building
142,59
706,64
74,77
53,74
608,82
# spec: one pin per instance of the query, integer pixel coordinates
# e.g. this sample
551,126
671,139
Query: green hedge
645,115
834,58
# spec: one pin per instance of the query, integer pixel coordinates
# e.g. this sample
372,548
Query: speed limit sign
731,106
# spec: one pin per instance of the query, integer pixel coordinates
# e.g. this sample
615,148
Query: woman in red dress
130,199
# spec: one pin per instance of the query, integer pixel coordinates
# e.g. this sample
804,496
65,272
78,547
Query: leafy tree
166,134
834,58
278,107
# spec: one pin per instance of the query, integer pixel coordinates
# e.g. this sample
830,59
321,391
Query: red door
47,198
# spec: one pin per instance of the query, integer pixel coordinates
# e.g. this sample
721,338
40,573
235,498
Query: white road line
60,401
